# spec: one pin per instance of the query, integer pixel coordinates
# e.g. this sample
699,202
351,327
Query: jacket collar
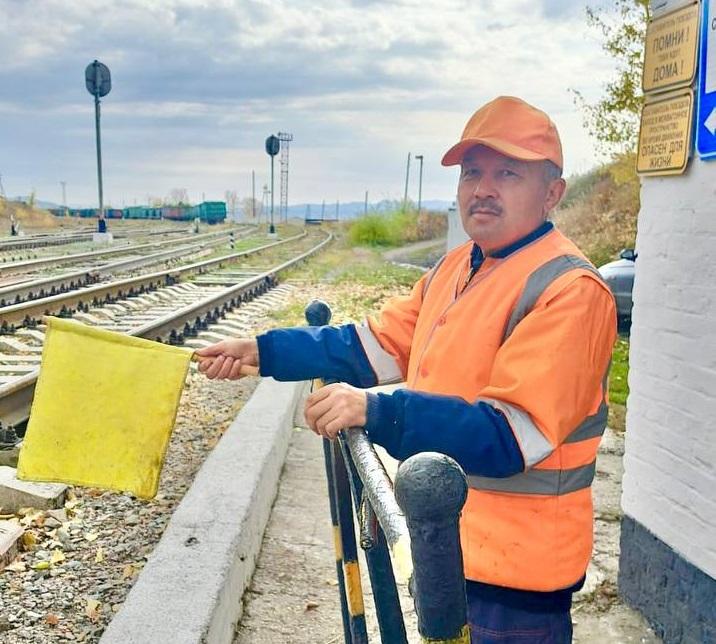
477,256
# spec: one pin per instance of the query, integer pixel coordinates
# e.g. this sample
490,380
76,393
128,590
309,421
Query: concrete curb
190,591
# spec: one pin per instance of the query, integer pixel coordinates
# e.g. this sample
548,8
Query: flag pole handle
246,369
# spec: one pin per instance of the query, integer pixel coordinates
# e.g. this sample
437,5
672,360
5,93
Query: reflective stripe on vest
384,365
538,282
548,482
535,447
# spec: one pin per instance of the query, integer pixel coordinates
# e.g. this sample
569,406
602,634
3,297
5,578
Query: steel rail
16,397
52,239
57,260
47,286
25,313
171,327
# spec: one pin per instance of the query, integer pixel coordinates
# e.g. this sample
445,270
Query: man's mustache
486,204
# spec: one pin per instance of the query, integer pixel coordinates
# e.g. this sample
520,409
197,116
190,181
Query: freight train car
212,212
176,213
142,212
88,213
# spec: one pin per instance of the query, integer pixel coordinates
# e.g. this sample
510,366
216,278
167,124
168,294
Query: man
505,347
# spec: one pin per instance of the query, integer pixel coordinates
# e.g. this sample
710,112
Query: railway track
156,306
20,289
31,265
14,249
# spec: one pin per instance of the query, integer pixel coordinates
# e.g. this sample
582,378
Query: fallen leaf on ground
29,539
93,609
52,619
16,566
91,536
312,605
99,557
41,565
57,556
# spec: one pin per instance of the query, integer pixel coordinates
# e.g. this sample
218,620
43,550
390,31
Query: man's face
503,199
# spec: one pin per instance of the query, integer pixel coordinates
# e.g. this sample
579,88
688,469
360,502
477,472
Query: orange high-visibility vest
532,335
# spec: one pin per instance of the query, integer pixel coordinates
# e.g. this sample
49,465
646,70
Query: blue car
619,276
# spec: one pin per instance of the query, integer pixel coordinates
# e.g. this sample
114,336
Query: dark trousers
492,622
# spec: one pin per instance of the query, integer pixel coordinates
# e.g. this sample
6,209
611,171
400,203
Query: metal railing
408,529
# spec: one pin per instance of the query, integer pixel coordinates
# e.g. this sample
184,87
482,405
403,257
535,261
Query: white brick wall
670,460
456,233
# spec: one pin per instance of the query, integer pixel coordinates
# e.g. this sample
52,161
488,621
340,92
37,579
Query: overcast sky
198,86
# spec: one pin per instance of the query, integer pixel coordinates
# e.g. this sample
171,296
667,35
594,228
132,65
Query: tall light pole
407,177
420,181
272,147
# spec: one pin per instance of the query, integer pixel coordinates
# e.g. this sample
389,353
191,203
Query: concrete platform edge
191,588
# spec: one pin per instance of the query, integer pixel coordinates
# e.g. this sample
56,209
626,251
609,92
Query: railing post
431,489
372,539
318,313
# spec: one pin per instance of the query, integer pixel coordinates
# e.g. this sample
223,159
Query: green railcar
142,212
211,212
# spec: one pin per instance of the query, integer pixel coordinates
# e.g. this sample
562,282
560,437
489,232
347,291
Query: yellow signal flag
104,408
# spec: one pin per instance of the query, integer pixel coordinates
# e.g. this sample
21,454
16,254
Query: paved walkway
294,598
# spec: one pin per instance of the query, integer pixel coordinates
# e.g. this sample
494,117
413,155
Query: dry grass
601,218
27,217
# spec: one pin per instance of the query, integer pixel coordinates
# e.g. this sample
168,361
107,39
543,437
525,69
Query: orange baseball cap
512,127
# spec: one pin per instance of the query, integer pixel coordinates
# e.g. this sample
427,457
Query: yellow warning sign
670,50
665,134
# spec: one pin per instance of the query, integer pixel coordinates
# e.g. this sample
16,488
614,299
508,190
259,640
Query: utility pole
420,181
365,205
253,195
323,210
2,189
64,196
407,177
337,208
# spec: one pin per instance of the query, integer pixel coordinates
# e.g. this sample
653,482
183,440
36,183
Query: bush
371,230
396,228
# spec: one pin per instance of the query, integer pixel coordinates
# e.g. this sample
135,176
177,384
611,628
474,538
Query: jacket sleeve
328,352
547,378
476,435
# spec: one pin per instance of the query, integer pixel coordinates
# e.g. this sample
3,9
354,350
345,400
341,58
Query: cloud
359,83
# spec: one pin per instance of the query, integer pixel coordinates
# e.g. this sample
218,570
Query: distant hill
353,209
45,205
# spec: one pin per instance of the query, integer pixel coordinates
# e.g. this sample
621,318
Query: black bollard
318,313
431,489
